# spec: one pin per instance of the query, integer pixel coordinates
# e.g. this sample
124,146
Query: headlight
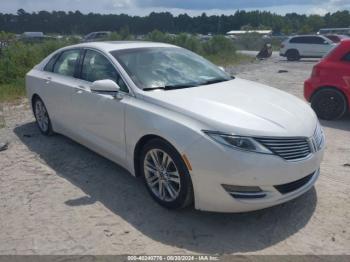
238,142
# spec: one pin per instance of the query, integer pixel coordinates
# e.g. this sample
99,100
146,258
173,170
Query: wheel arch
33,98
140,144
291,50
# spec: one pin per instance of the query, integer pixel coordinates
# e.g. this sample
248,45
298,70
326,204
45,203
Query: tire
42,117
173,177
293,55
329,104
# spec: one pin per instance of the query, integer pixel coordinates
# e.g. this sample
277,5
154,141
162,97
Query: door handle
79,89
48,80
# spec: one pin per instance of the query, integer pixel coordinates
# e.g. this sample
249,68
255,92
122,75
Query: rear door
60,80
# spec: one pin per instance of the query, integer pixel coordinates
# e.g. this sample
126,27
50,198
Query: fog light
244,191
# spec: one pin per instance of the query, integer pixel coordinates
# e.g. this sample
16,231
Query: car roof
109,46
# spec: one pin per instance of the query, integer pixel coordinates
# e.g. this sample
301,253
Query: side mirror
221,68
105,85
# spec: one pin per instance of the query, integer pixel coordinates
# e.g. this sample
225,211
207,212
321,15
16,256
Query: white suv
306,46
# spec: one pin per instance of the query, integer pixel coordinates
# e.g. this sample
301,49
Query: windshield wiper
172,87
214,81
169,87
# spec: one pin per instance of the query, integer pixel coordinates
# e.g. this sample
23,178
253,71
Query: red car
328,88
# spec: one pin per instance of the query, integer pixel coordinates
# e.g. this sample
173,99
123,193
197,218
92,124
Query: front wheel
166,175
293,55
42,117
329,104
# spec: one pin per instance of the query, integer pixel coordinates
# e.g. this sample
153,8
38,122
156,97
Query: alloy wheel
41,116
162,175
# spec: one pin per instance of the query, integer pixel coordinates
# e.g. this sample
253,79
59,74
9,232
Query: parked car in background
337,38
33,37
306,46
97,36
188,129
33,34
328,88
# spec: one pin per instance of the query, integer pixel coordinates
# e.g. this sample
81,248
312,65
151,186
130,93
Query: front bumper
216,165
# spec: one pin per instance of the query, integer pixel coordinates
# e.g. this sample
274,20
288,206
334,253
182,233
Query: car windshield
168,68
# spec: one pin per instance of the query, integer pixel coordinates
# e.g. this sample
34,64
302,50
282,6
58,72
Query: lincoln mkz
192,132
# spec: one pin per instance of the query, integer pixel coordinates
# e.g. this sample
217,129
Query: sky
191,7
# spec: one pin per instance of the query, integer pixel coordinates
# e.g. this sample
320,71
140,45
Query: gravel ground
57,197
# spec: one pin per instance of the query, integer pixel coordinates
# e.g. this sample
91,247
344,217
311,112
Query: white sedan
191,131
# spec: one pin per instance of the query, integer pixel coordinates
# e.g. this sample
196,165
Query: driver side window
97,67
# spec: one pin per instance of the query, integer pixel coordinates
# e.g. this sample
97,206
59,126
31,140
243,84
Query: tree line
61,22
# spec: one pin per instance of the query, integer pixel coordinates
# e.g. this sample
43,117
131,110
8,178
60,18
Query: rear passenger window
98,67
317,40
66,63
49,66
308,40
101,35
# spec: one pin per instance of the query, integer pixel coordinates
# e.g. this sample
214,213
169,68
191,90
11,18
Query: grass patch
2,121
229,60
13,91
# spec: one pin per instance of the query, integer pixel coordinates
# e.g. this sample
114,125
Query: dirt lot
57,197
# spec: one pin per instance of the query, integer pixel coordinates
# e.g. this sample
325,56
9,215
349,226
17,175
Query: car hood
240,107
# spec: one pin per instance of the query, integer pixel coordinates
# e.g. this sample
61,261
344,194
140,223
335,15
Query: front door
319,46
100,117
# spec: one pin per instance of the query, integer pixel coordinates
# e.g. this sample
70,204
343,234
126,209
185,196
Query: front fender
143,118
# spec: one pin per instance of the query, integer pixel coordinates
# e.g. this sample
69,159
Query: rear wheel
165,175
329,104
293,55
42,117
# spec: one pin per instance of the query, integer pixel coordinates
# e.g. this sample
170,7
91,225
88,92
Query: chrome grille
287,148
